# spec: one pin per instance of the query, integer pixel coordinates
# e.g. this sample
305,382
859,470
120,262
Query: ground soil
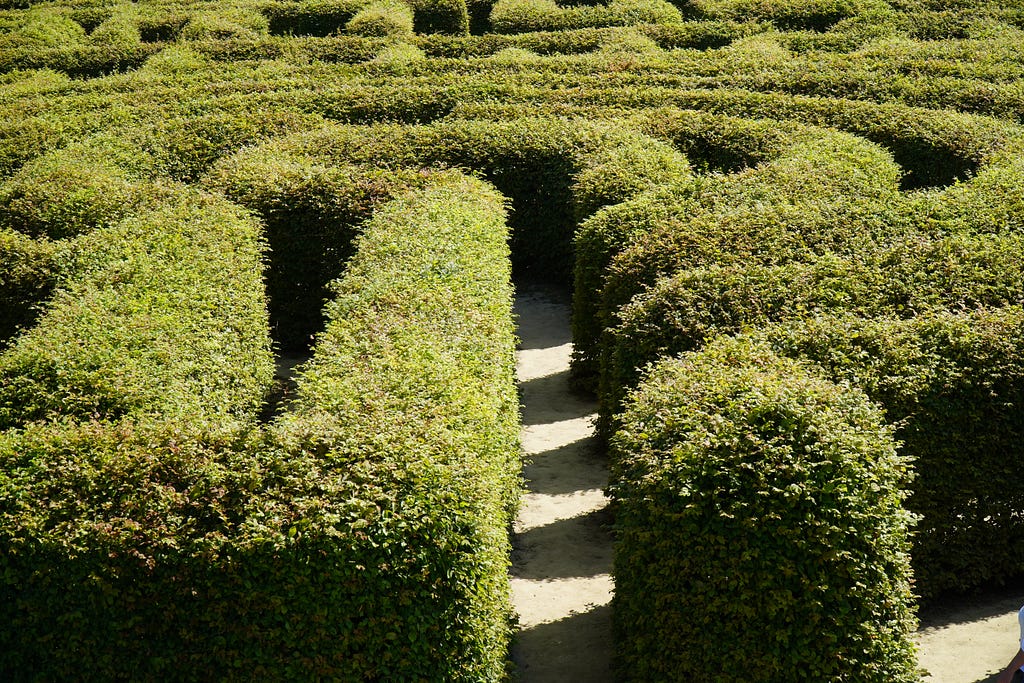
561,579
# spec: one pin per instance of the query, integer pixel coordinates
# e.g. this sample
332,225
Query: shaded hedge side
761,534
952,383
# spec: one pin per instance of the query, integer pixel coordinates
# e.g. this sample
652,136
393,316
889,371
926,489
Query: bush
312,213
681,312
533,161
163,314
820,191
382,20
361,537
67,193
760,529
316,18
952,383
522,16
441,16
224,23
28,269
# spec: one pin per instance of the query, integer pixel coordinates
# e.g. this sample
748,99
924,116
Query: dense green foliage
188,187
953,384
760,528
362,536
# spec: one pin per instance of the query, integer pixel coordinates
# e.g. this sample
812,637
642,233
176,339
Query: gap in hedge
929,166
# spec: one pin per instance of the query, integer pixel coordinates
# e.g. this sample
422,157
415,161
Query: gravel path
562,551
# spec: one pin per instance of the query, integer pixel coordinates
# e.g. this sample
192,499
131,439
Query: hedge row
524,16
311,215
569,41
682,311
360,537
761,534
422,415
159,315
555,171
952,383
815,191
28,269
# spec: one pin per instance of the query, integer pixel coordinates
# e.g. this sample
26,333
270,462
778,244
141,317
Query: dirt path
562,554
970,640
561,580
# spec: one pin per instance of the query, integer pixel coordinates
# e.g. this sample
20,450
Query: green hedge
431,389
760,531
361,537
818,15
524,16
162,314
697,35
681,312
952,383
28,270
310,17
70,192
814,191
552,169
382,19
311,214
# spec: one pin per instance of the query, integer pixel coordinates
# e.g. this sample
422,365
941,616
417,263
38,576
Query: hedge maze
794,232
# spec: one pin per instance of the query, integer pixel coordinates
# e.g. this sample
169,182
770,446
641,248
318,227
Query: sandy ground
561,580
562,550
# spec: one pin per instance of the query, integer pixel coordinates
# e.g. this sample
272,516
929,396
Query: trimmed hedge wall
819,191
361,537
760,531
953,383
160,315
312,213
553,170
28,270
681,312
524,16
422,416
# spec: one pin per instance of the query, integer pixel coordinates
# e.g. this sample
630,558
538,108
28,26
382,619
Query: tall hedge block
410,398
761,534
162,314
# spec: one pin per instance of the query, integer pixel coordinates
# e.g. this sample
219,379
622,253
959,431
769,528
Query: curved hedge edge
525,16
758,506
551,168
311,213
162,314
910,278
813,190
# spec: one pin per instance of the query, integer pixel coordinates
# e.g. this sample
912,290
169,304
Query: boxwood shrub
952,384
28,270
162,314
813,191
311,214
363,536
760,527
524,16
681,312
541,164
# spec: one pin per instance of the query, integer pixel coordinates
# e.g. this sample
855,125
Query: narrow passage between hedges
562,549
